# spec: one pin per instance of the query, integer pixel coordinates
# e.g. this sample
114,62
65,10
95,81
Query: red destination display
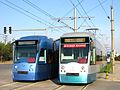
74,45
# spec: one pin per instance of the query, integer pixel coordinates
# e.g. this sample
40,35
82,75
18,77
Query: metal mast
112,38
75,21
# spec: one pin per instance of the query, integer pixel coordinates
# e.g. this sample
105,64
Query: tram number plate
22,72
72,74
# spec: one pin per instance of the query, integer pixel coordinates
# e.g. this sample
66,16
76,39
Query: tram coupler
107,75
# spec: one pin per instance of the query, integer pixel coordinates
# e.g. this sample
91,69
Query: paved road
5,73
104,85
6,83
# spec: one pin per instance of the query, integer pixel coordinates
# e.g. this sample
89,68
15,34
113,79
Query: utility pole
75,21
112,39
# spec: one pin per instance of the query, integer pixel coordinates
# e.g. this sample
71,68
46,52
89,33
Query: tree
6,51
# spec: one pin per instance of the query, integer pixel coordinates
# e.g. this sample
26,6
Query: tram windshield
74,53
25,53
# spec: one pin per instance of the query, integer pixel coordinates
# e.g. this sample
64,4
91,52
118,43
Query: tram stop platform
111,76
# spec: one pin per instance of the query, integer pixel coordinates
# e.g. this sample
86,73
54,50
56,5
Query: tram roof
33,38
79,34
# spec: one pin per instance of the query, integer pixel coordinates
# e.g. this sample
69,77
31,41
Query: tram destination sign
26,42
75,40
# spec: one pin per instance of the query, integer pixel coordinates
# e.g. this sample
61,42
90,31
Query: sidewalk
111,77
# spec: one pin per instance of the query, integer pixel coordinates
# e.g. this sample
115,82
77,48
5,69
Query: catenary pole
112,39
75,21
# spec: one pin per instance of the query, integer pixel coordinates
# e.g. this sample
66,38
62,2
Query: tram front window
25,53
79,55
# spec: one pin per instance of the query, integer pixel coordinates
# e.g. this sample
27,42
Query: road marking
84,87
8,84
59,87
26,86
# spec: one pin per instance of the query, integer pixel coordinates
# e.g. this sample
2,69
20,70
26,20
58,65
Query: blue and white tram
77,62
33,59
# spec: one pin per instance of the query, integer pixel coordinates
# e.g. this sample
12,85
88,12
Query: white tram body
77,57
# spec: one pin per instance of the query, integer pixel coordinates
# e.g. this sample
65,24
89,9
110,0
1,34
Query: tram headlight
15,67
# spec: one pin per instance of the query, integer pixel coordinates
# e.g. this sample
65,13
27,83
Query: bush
107,68
6,51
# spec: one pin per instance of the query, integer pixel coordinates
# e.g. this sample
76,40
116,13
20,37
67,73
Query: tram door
42,56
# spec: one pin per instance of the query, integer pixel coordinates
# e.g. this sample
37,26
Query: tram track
31,86
59,87
63,87
84,87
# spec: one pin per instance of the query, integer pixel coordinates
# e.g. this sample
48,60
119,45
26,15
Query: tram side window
42,56
92,58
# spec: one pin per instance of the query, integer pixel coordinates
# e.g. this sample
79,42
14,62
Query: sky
55,15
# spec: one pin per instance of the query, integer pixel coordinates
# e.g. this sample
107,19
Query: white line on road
21,88
8,84
84,87
60,87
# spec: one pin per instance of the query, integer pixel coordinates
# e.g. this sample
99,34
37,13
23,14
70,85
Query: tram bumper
23,76
83,78
24,72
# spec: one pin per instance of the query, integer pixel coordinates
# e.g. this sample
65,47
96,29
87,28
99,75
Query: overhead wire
22,13
96,6
59,20
29,12
50,24
43,11
100,3
85,12
71,9
46,13
85,20
104,9
75,6
38,8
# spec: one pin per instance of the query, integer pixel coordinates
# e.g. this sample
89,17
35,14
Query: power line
28,12
72,8
19,10
96,6
83,21
85,12
80,13
43,11
103,9
82,24
22,12
38,8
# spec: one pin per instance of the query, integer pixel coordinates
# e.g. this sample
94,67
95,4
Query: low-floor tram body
33,59
77,57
